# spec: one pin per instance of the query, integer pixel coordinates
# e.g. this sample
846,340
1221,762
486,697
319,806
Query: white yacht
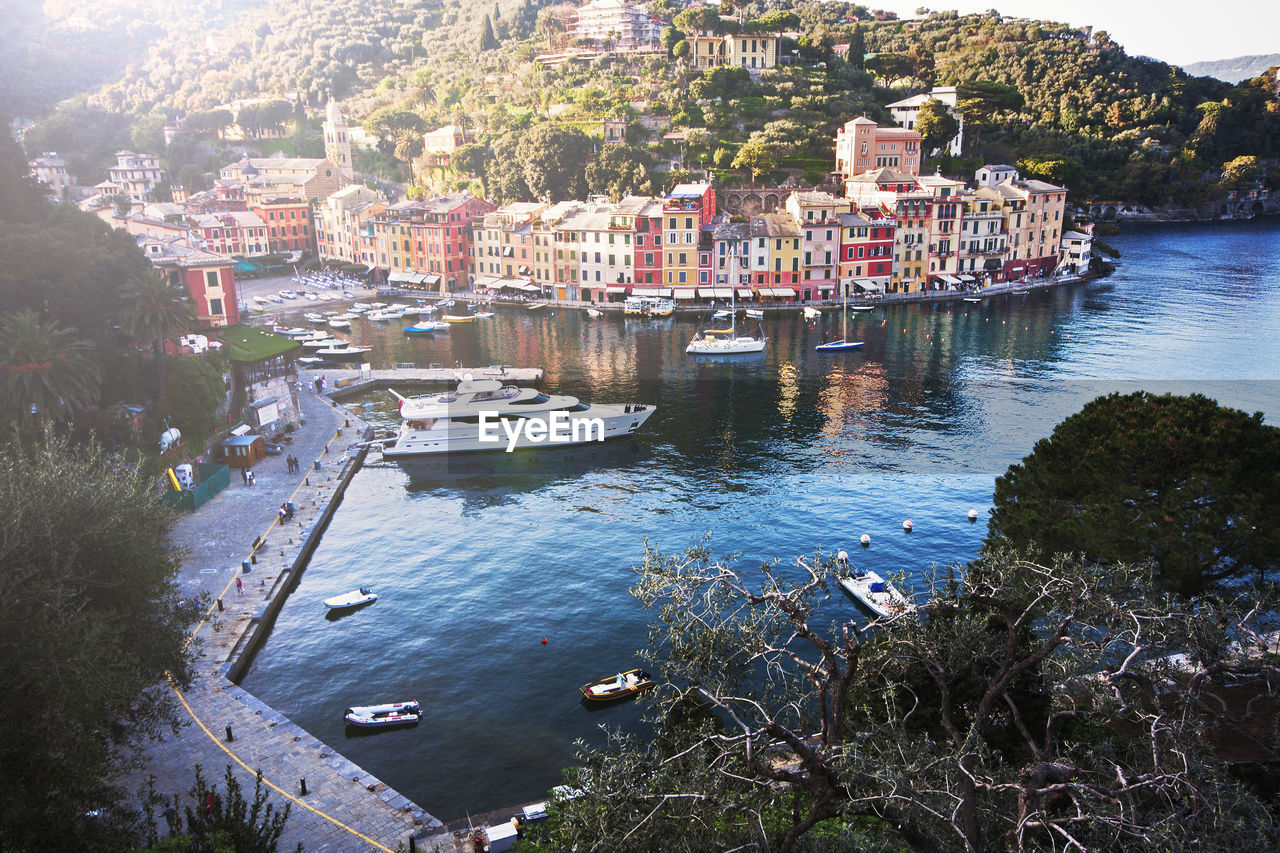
451,422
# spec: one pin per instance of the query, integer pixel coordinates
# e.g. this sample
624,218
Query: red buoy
544,641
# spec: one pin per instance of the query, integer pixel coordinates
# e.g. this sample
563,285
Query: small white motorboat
391,714
342,353
592,312
877,594
812,313
355,598
426,327
972,299
482,315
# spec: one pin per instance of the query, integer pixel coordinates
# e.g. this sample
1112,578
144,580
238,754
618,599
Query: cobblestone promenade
344,808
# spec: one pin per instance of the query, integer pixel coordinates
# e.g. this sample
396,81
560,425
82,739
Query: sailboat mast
844,312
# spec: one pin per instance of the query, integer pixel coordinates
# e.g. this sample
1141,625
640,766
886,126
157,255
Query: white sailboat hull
726,346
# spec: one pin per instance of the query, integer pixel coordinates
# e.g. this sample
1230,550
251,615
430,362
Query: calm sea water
774,456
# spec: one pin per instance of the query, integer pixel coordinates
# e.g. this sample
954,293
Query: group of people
292,462
286,512
246,474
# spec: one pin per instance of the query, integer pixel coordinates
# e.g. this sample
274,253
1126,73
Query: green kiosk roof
250,345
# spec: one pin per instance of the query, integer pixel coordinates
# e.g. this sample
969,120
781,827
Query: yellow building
775,256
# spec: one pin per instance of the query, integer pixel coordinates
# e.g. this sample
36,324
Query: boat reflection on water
494,479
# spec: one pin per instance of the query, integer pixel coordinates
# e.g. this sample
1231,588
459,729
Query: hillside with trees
1081,111
1067,105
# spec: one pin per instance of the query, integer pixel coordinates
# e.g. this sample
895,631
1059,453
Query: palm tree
45,370
154,311
408,143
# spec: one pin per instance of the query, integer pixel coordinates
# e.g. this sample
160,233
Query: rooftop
249,345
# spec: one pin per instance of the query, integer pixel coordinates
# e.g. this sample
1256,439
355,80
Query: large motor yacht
508,416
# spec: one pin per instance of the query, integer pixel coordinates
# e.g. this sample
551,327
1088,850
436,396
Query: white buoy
973,515
865,540
906,525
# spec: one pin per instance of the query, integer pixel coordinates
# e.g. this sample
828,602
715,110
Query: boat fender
906,525
865,540
973,515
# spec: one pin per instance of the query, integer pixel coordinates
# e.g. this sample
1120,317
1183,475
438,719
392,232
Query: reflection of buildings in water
851,393
788,389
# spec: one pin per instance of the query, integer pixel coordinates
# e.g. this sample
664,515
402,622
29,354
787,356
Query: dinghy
615,687
355,598
391,714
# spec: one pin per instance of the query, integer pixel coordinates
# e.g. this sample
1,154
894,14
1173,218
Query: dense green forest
1064,104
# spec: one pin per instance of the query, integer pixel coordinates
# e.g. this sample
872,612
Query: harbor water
477,560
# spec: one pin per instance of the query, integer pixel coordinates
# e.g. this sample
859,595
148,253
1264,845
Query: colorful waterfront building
1033,214
866,252
338,221
818,216
947,216
289,223
604,253
775,256
646,222
440,229
503,240
686,209
983,242
912,214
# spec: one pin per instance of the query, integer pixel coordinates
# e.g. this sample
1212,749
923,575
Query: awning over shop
866,285
966,278
662,291
683,293
777,291
428,279
715,292
949,279
822,288
402,276
488,282
531,287
615,290
745,293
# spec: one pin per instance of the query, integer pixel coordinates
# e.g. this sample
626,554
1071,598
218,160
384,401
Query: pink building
861,145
